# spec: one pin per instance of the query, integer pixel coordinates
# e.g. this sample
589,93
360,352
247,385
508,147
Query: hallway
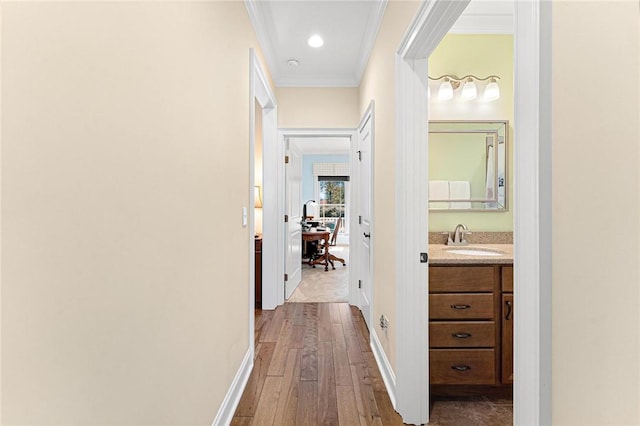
314,365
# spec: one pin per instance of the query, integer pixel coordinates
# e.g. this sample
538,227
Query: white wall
596,234
125,142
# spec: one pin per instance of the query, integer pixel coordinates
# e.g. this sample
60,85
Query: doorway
322,160
318,181
470,148
532,244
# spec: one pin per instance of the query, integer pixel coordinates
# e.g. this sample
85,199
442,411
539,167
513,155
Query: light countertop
439,254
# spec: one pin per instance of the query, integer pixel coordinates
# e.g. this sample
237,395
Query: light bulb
315,41
469,90
445,92
492,91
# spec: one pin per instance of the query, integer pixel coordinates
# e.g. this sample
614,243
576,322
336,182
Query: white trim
232,398
287,133
412,366
256,16
272,194
369,39
260,91
388,377
532,194
483,24
532,359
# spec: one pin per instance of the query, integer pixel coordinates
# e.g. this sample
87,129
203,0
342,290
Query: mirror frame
499,124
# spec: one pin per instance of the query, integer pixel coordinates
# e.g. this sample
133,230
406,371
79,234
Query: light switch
244,217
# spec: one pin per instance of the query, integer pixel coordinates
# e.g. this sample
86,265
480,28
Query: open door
293,227
364,162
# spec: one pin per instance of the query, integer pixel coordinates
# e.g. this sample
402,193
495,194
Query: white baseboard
388,376
232,398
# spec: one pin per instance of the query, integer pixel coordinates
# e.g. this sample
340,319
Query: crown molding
369,39
257,16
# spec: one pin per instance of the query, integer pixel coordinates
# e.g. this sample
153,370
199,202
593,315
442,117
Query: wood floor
314,366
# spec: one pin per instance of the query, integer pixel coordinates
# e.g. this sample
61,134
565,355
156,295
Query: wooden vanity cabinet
468,342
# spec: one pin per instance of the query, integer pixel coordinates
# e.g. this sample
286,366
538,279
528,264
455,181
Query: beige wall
125,141
378,84
321,107
595,214
480,55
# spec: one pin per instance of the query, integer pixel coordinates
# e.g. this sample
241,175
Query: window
332,199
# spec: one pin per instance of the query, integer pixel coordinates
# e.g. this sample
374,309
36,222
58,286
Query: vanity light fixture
445,92
492,91
469,91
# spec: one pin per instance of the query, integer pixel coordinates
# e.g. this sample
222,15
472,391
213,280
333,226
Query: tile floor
471,411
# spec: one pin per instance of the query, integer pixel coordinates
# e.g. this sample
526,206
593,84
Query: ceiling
349,29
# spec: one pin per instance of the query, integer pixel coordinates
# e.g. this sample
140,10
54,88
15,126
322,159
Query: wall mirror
468,165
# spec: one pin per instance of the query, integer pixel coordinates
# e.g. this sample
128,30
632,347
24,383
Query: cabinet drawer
463,306
462,334
507,278
462,367
444,279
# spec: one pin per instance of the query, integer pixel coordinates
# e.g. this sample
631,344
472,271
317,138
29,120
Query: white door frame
283,135
272,242
532,230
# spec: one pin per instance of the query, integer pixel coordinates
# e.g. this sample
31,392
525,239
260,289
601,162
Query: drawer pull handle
460,367
460,306
508,303
461,335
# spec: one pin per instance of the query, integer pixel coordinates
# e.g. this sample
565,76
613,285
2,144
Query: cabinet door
507,338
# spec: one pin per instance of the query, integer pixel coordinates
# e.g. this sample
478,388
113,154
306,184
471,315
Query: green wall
479,55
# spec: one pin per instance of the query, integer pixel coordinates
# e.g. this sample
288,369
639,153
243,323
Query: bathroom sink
470,251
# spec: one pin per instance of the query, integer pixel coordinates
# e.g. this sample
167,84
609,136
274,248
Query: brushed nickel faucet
458,236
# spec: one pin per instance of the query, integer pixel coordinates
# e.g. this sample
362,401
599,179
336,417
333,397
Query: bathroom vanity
471,315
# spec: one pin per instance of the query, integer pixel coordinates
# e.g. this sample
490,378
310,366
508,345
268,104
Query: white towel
490,186
438,190
460,190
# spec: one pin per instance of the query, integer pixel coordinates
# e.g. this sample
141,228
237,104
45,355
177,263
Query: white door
293,258
364,238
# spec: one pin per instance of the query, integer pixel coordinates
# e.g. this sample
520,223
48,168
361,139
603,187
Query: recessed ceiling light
293,63
315,41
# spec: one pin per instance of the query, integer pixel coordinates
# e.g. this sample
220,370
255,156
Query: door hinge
359,220
359,283
286,277
286,159
286,218
424,258
359,155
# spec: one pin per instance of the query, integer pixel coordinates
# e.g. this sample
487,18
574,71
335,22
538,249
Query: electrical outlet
384,322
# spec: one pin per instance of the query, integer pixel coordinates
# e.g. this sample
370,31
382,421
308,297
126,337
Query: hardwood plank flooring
313,367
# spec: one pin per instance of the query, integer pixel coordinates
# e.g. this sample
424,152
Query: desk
326,258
